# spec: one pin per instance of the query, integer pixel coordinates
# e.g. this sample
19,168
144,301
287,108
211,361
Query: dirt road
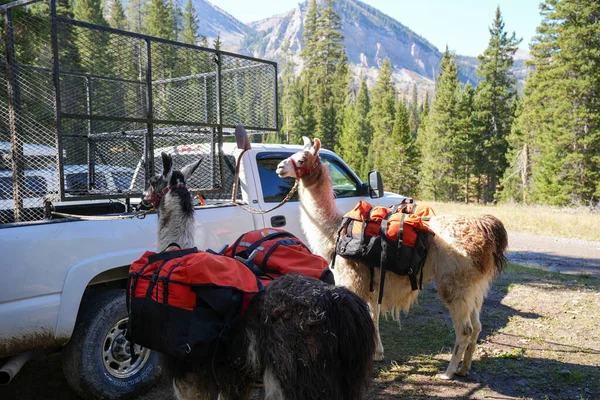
42,378
568,256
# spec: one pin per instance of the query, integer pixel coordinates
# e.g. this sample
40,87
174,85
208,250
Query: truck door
272,189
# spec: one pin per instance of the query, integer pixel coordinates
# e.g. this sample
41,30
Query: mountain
369,37
217,22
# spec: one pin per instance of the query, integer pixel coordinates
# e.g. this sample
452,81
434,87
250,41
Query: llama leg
468,358
375,310
463,329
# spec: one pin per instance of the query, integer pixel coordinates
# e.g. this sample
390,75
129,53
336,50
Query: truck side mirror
375,184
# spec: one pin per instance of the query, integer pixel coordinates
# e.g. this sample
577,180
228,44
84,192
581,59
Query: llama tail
497,237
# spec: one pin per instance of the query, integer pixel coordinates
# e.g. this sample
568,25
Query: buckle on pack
246,260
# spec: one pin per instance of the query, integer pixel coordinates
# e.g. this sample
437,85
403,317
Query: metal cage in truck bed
84,108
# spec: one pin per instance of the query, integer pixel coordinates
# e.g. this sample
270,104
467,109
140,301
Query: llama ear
307,143
317,146
189,169
167,163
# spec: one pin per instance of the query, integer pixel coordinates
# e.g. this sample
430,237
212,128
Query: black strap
169,255
271,250
165,281
413,280
256,244
365,224
383,229
153,279
235,245
345,224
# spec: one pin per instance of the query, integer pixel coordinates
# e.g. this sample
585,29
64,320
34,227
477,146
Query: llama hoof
444,376
378,357
462,372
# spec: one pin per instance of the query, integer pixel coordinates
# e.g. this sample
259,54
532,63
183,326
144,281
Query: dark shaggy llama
304,339
466,254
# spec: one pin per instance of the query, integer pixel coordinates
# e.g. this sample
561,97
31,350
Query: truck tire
98,362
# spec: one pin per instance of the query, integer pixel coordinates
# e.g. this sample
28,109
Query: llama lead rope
246,207
251,210
139,215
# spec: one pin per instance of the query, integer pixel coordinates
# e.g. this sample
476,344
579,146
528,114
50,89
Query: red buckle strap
155,197
302,171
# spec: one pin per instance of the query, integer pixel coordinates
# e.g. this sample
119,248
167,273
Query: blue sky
462,24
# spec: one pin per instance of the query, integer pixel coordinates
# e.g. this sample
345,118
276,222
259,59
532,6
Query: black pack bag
185,302
393,238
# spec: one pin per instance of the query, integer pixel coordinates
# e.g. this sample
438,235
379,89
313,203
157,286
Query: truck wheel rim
121,359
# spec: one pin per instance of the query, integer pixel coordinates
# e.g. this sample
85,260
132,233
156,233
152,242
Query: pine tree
325,67
493,104
560,122
517,176
117,18
401,167
435,141
91,44
426,106
414,114
217,42
175,17
136,15
383,101
464,143
364,128
189,33
357,133
348,146
310,37
158,20
308,122
291,98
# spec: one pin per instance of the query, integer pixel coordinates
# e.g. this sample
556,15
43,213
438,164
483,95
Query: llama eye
301,161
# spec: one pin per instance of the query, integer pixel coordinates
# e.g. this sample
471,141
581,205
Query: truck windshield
275,189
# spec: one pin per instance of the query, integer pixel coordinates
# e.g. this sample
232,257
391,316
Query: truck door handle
277,221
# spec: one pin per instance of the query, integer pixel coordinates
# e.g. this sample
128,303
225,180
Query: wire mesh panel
249,92
28,154
86,110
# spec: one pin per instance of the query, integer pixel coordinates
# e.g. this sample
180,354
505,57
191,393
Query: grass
540,340
579,223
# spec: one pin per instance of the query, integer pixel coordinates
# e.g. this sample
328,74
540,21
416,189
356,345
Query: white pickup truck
62,281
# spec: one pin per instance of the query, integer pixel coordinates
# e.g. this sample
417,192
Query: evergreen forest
467,142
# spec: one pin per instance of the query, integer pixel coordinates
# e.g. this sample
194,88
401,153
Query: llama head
301,163
160,184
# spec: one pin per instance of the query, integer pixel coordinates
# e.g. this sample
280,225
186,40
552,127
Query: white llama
464,257
304,339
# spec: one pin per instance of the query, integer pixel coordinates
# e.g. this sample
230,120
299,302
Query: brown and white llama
465,255
303,338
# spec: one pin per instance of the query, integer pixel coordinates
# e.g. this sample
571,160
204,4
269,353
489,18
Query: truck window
275,189
344,184
122,180
78,182
34,185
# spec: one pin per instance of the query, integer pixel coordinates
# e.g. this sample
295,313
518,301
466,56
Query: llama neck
319,215
176,220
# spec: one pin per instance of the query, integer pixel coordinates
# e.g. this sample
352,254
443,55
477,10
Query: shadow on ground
506,365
